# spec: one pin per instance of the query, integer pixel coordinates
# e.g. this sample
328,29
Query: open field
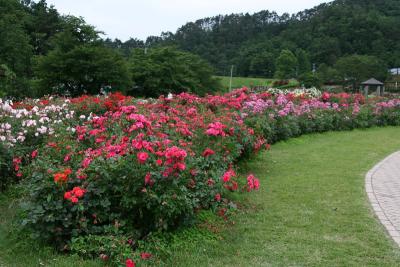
239,82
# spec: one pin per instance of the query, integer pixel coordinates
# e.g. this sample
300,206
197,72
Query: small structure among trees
373,83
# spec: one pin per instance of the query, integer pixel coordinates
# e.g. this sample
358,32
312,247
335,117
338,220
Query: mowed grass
311,210
239,82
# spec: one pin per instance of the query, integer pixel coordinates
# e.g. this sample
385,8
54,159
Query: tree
328,74
43,23
357,68
168,70
262,65
15,50
78,63
326,32
7,80
309,80
286,65
304,65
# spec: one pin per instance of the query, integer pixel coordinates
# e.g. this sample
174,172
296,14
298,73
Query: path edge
378,210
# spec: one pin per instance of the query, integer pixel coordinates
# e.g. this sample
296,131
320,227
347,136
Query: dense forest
43,52
320,36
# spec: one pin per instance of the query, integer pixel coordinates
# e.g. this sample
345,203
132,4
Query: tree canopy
319,35
78,63
168,70
42,52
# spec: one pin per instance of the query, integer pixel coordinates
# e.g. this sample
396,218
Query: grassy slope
239,82
311,211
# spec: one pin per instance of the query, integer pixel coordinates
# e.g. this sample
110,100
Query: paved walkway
383,187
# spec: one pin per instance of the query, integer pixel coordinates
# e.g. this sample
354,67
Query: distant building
395,71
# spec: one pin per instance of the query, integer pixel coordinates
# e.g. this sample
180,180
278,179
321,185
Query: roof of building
372,81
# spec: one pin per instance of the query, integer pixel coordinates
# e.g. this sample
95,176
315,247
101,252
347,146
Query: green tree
303,60
7,80
356,68
309,79
79,63
262,65
328,74
286,65
43,23
15,50
168,70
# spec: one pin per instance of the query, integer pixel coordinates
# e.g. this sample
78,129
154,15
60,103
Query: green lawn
311,211
239,82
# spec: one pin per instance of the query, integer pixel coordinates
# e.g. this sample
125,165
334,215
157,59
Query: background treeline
320,35
43,52
333,36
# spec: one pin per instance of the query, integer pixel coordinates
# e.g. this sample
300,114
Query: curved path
383,189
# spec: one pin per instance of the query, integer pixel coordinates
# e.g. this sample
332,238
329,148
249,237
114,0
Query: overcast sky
141,18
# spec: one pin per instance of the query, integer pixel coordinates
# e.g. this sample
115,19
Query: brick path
383,188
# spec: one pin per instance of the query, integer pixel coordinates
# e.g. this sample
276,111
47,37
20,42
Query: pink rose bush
96,166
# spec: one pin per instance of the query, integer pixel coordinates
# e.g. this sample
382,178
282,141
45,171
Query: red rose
130,263
67,195
208,152
34,154
142,157
145,255
78,192
148,180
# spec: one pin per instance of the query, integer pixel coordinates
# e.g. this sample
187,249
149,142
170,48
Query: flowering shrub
126,167
310,92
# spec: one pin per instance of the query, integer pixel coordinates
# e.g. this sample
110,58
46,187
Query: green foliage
326,33
15,49
309,79
79,64
110,248
168,70
83,69
7,80
328,74
286,65
303,60
6,171
43,23
263,65
357,68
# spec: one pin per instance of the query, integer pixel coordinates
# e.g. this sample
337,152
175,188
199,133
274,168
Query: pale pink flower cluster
16,124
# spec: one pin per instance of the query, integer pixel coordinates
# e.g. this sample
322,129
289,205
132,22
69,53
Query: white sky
141,18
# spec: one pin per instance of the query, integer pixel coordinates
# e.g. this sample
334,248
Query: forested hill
321,35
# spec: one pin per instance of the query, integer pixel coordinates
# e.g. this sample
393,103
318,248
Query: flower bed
113,169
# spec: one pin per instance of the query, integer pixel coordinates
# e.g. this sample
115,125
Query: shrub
144,168
6,171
